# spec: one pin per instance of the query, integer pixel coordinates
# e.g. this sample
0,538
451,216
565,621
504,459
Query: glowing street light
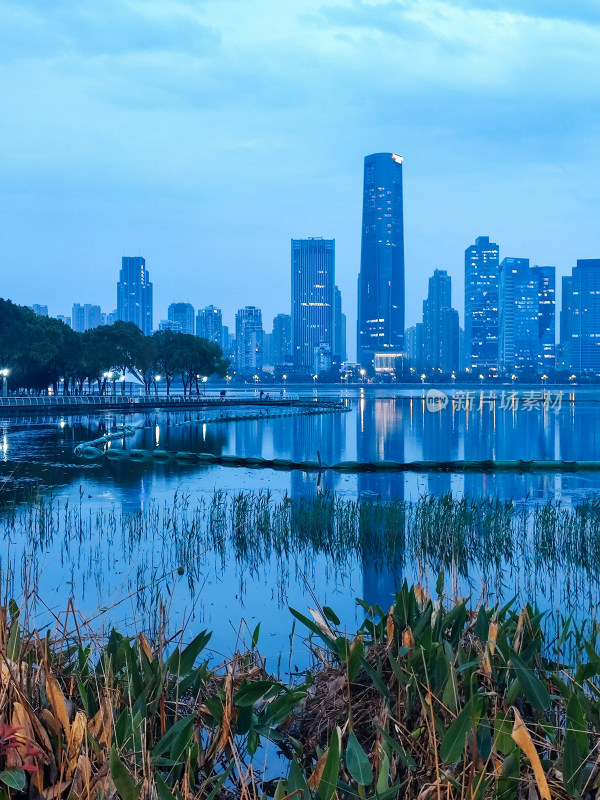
363,372
423,378
156,381
4,373
204,379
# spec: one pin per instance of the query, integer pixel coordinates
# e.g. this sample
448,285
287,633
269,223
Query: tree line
42,352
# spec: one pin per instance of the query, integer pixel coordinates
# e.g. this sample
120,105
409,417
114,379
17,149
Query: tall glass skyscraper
183,313
134,293
381,278
580,318
482,319
313,279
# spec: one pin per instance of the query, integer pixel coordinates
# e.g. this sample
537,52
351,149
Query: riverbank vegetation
43,352
428,699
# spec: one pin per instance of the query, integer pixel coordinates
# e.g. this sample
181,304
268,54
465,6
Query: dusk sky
205,135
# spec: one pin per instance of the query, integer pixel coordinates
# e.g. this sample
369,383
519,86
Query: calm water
100,567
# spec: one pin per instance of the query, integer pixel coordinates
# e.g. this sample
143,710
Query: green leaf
384,774
405,757
255,636
575,746
328,782
162,790
14,778
221,780
123,781
453,743
181,662
331,616
250,692
508,782
357,762
183,727
533,689
297,782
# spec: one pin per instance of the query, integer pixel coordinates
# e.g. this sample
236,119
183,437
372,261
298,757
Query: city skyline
328,84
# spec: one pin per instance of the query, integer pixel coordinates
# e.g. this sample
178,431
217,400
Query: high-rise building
87,316
482,321
546,277
183,314
209,325
415,346
41,311
440,325
527,318
281,340
381,279
313,278
339,327
248,340
580,317
66,320
134,293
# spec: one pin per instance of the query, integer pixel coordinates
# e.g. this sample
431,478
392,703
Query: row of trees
40,351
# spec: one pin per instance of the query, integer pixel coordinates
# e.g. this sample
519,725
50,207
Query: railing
144,400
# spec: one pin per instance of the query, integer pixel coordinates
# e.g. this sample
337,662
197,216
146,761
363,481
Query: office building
482,319
313,279
84,317
209,325
381,279
248,341
339,326
183,314
134,293
281,340
546,278
440,325
580,317
527,316
41,311
415,346
65,320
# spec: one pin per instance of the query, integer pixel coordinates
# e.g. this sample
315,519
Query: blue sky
204,135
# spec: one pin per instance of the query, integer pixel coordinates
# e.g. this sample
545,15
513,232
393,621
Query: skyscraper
248,340
281,339
313,278
84,317
209,325
440,324
482,282
134,293
527,315
381,278
580,317
546,278
339,326
182,313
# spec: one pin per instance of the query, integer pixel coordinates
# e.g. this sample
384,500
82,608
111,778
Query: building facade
183,314
134,293
209,325
580,317
339,326
482,317
546,279
440,325
313,279
281,340
86,316
248,341
381,279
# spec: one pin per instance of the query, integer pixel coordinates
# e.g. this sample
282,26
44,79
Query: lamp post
122,379
363,372
204,379
156,380
5,373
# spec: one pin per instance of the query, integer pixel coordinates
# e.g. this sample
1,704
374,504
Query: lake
101,530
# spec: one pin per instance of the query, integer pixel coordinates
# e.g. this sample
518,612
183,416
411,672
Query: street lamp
156,380
107,376
423,378
544,378
363,372
5,373
204,379
481,377
122,379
